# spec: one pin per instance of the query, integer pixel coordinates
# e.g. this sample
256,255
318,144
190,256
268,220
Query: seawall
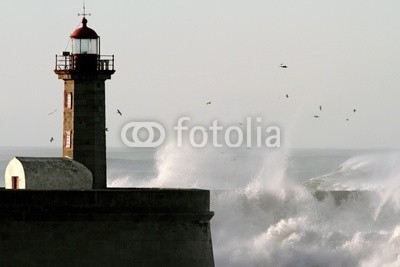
112,227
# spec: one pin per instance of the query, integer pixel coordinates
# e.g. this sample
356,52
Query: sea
266,213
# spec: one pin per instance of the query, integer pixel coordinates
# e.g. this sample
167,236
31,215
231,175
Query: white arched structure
47,174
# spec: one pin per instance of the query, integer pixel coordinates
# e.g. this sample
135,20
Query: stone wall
114,227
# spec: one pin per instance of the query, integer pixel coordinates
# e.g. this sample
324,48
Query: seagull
316,116
51,139
119,112
52,112
354,110
287,96
283,66
208,103
320,107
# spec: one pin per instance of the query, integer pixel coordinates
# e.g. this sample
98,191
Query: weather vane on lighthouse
84,14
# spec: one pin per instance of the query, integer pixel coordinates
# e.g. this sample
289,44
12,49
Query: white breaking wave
262,219
374,171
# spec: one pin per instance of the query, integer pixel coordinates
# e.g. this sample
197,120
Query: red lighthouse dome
84,32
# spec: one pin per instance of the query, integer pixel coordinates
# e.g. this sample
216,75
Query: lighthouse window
84,46
68,103
68,139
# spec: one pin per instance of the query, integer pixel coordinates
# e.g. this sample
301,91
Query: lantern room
85,48
85,40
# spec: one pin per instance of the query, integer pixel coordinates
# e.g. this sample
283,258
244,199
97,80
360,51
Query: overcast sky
174,56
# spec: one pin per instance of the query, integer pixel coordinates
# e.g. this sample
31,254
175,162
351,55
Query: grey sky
174,56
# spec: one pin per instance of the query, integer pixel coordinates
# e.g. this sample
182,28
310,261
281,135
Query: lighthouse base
112,227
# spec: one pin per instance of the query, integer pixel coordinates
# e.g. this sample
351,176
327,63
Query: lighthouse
49,205
84,71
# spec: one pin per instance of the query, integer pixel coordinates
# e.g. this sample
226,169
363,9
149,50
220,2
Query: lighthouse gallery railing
66,62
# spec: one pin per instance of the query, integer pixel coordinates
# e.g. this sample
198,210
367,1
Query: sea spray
264,219
207,168
371,171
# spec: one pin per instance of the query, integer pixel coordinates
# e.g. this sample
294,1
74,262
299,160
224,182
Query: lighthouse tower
84,72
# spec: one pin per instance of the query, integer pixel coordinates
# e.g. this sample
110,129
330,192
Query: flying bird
51,140
320,107
316,116
240,123
354,110
119,112
208,103
287,96
52,112
283,66
347,119
106,129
